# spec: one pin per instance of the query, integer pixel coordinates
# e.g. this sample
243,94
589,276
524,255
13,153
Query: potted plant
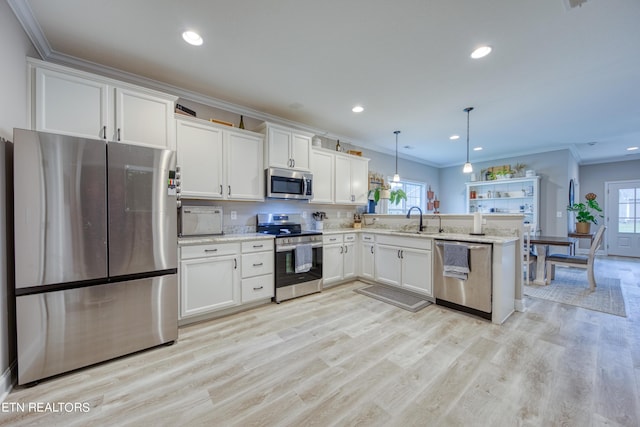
384,192
586,213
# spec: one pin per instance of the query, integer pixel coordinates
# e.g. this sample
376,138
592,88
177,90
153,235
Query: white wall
553,167
15,46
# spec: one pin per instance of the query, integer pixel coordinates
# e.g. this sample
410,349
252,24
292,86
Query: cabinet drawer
209,250
351,237
257,246
367,238
331,239
257,288
257,263
406,242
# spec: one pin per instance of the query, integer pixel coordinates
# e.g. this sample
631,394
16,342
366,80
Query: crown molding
24,14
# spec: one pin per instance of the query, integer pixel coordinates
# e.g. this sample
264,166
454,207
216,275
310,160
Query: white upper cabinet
143,118
245,176
351,174
219,163
58,97
323,171
286,148
77,103
200,160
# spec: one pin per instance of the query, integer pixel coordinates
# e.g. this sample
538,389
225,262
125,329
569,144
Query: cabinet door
416,271
332,263
279,141
245,175
349,260
208,284
200,160
71,105
144,119
300,151
343,180
359,180
367,261
388,265
322,168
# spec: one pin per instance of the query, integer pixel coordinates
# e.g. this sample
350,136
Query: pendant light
467,166
396,177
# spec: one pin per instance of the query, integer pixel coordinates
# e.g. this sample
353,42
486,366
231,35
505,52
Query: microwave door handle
304,186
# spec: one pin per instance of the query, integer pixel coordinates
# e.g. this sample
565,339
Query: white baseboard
7,381
519,305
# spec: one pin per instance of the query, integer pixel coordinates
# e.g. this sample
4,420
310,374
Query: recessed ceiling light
454,137
358,109
192,38
632,148
481,52
477,148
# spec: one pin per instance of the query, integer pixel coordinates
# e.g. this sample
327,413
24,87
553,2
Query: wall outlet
234,215
559,214
304,214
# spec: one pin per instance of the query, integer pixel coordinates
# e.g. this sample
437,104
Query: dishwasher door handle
468,246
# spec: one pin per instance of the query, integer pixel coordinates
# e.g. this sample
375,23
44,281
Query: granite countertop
427,235
223,238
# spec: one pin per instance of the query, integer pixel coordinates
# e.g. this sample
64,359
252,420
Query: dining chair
529,258
577,261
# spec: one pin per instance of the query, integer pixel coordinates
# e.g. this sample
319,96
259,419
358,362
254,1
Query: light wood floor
340,358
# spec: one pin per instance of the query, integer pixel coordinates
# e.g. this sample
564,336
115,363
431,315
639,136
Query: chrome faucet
420,228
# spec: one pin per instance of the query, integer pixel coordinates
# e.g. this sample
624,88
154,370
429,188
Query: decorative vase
583,227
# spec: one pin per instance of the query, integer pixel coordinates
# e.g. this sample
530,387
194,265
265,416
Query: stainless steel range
298,255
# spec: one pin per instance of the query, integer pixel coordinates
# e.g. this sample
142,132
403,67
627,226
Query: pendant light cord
396,132
468,110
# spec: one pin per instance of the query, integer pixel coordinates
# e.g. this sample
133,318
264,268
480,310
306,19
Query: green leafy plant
395,196
589,211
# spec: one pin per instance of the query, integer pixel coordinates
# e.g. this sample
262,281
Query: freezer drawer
474,293
65,330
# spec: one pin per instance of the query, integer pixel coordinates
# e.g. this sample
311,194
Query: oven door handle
292,247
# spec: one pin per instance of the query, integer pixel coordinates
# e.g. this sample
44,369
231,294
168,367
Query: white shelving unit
516,195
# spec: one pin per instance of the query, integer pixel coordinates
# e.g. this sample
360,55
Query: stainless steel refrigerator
95,251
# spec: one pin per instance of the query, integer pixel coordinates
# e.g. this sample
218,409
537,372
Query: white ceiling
558,77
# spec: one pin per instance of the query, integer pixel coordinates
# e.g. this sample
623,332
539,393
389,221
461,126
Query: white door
71,105
144,119
367,259
332,263
200,160
279,143
300,150
208,284
245,176
322,169
416,271
388,265
623,218
359,180
349,260
343,180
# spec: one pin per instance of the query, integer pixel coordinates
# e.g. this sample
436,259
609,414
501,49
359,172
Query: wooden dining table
542,244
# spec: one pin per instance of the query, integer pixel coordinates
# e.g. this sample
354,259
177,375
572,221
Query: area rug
571,286
396,297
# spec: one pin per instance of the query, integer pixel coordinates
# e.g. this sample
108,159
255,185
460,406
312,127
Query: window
416,196
628,210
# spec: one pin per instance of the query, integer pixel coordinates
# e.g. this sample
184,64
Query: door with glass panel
623,214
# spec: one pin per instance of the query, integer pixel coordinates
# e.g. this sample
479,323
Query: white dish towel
303,258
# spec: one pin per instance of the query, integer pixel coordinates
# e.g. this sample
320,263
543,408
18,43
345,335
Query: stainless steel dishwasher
472,295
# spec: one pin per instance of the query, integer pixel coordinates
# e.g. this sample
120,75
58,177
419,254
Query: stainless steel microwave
288,184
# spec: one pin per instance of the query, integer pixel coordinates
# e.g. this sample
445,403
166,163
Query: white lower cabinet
209,278
339,258
221,276
367,257
257,270
404,262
